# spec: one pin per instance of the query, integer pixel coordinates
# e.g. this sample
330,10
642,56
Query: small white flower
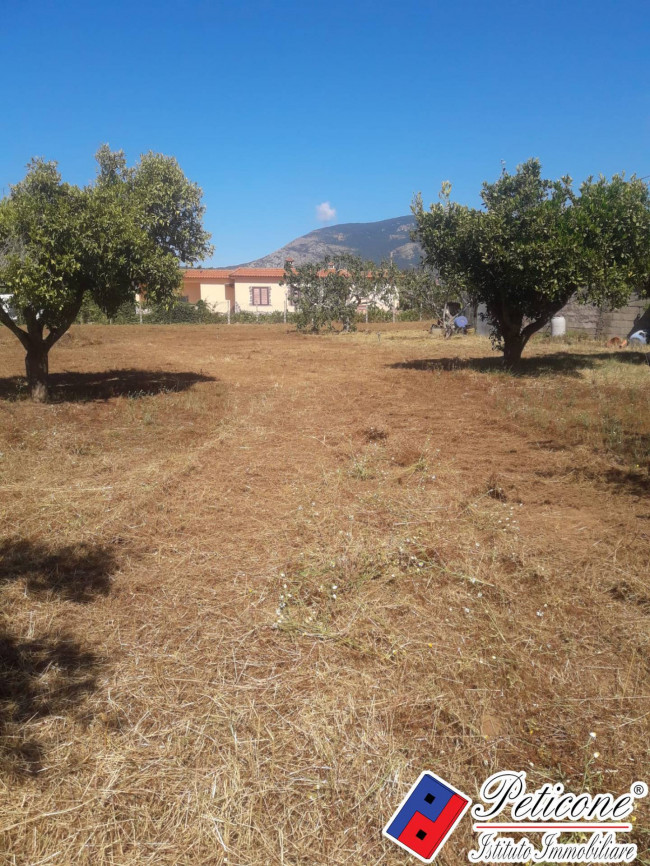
592,734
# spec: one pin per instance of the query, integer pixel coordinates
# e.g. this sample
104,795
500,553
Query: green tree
422,289
332,290
536,243
59,244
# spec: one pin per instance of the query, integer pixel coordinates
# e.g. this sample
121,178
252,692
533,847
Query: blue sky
277,107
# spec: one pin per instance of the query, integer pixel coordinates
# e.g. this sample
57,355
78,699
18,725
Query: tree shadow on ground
634,481
565,363
44,674
81,387
75,573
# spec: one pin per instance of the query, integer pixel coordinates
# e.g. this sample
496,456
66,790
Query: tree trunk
513,346
37,368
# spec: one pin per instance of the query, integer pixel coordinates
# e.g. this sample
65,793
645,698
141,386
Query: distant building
255,290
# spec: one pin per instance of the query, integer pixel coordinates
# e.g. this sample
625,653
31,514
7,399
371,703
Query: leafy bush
409,316
179,313
376,314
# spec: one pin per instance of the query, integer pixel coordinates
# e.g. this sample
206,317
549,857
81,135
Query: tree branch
538,324
6,319
56,333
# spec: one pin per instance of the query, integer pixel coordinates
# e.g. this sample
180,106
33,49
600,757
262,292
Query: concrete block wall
602,324
592,320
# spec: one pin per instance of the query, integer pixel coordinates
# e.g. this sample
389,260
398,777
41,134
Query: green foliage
536,243
175,313
89,312
332,290
62,246
375,314
409,316
422,291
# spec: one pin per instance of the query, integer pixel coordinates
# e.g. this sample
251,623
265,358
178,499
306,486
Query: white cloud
325,213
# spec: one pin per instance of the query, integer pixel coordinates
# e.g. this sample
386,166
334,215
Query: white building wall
214,294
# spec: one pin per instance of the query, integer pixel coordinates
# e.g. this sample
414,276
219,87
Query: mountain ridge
373,241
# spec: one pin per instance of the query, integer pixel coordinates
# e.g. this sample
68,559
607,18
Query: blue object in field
639,337
461,322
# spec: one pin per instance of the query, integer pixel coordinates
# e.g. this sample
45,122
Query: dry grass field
254,582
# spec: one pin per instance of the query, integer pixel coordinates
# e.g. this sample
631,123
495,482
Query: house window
260,296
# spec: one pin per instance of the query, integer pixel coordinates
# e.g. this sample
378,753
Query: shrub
409,316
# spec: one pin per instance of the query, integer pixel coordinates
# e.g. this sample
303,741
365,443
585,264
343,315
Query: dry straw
254,585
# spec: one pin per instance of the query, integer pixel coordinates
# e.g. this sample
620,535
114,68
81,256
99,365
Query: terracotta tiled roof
258,272
207,273
238,273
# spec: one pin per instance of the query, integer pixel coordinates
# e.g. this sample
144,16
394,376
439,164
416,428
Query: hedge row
201,314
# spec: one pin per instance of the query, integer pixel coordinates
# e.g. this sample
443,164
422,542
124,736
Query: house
254,290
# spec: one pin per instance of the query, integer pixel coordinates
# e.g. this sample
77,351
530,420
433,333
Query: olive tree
421,289
536,243
332,290
126,232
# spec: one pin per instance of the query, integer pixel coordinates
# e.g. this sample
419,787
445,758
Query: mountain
373,241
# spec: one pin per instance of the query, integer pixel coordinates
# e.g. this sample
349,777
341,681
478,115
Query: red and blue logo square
427,817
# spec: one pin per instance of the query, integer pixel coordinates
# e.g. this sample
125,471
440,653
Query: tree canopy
126,232
332,290
422,289
536,243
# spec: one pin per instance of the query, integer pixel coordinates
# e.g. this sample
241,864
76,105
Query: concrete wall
591,320
191,289
602,324
216,296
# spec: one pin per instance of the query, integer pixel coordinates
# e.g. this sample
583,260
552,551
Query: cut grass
238,621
